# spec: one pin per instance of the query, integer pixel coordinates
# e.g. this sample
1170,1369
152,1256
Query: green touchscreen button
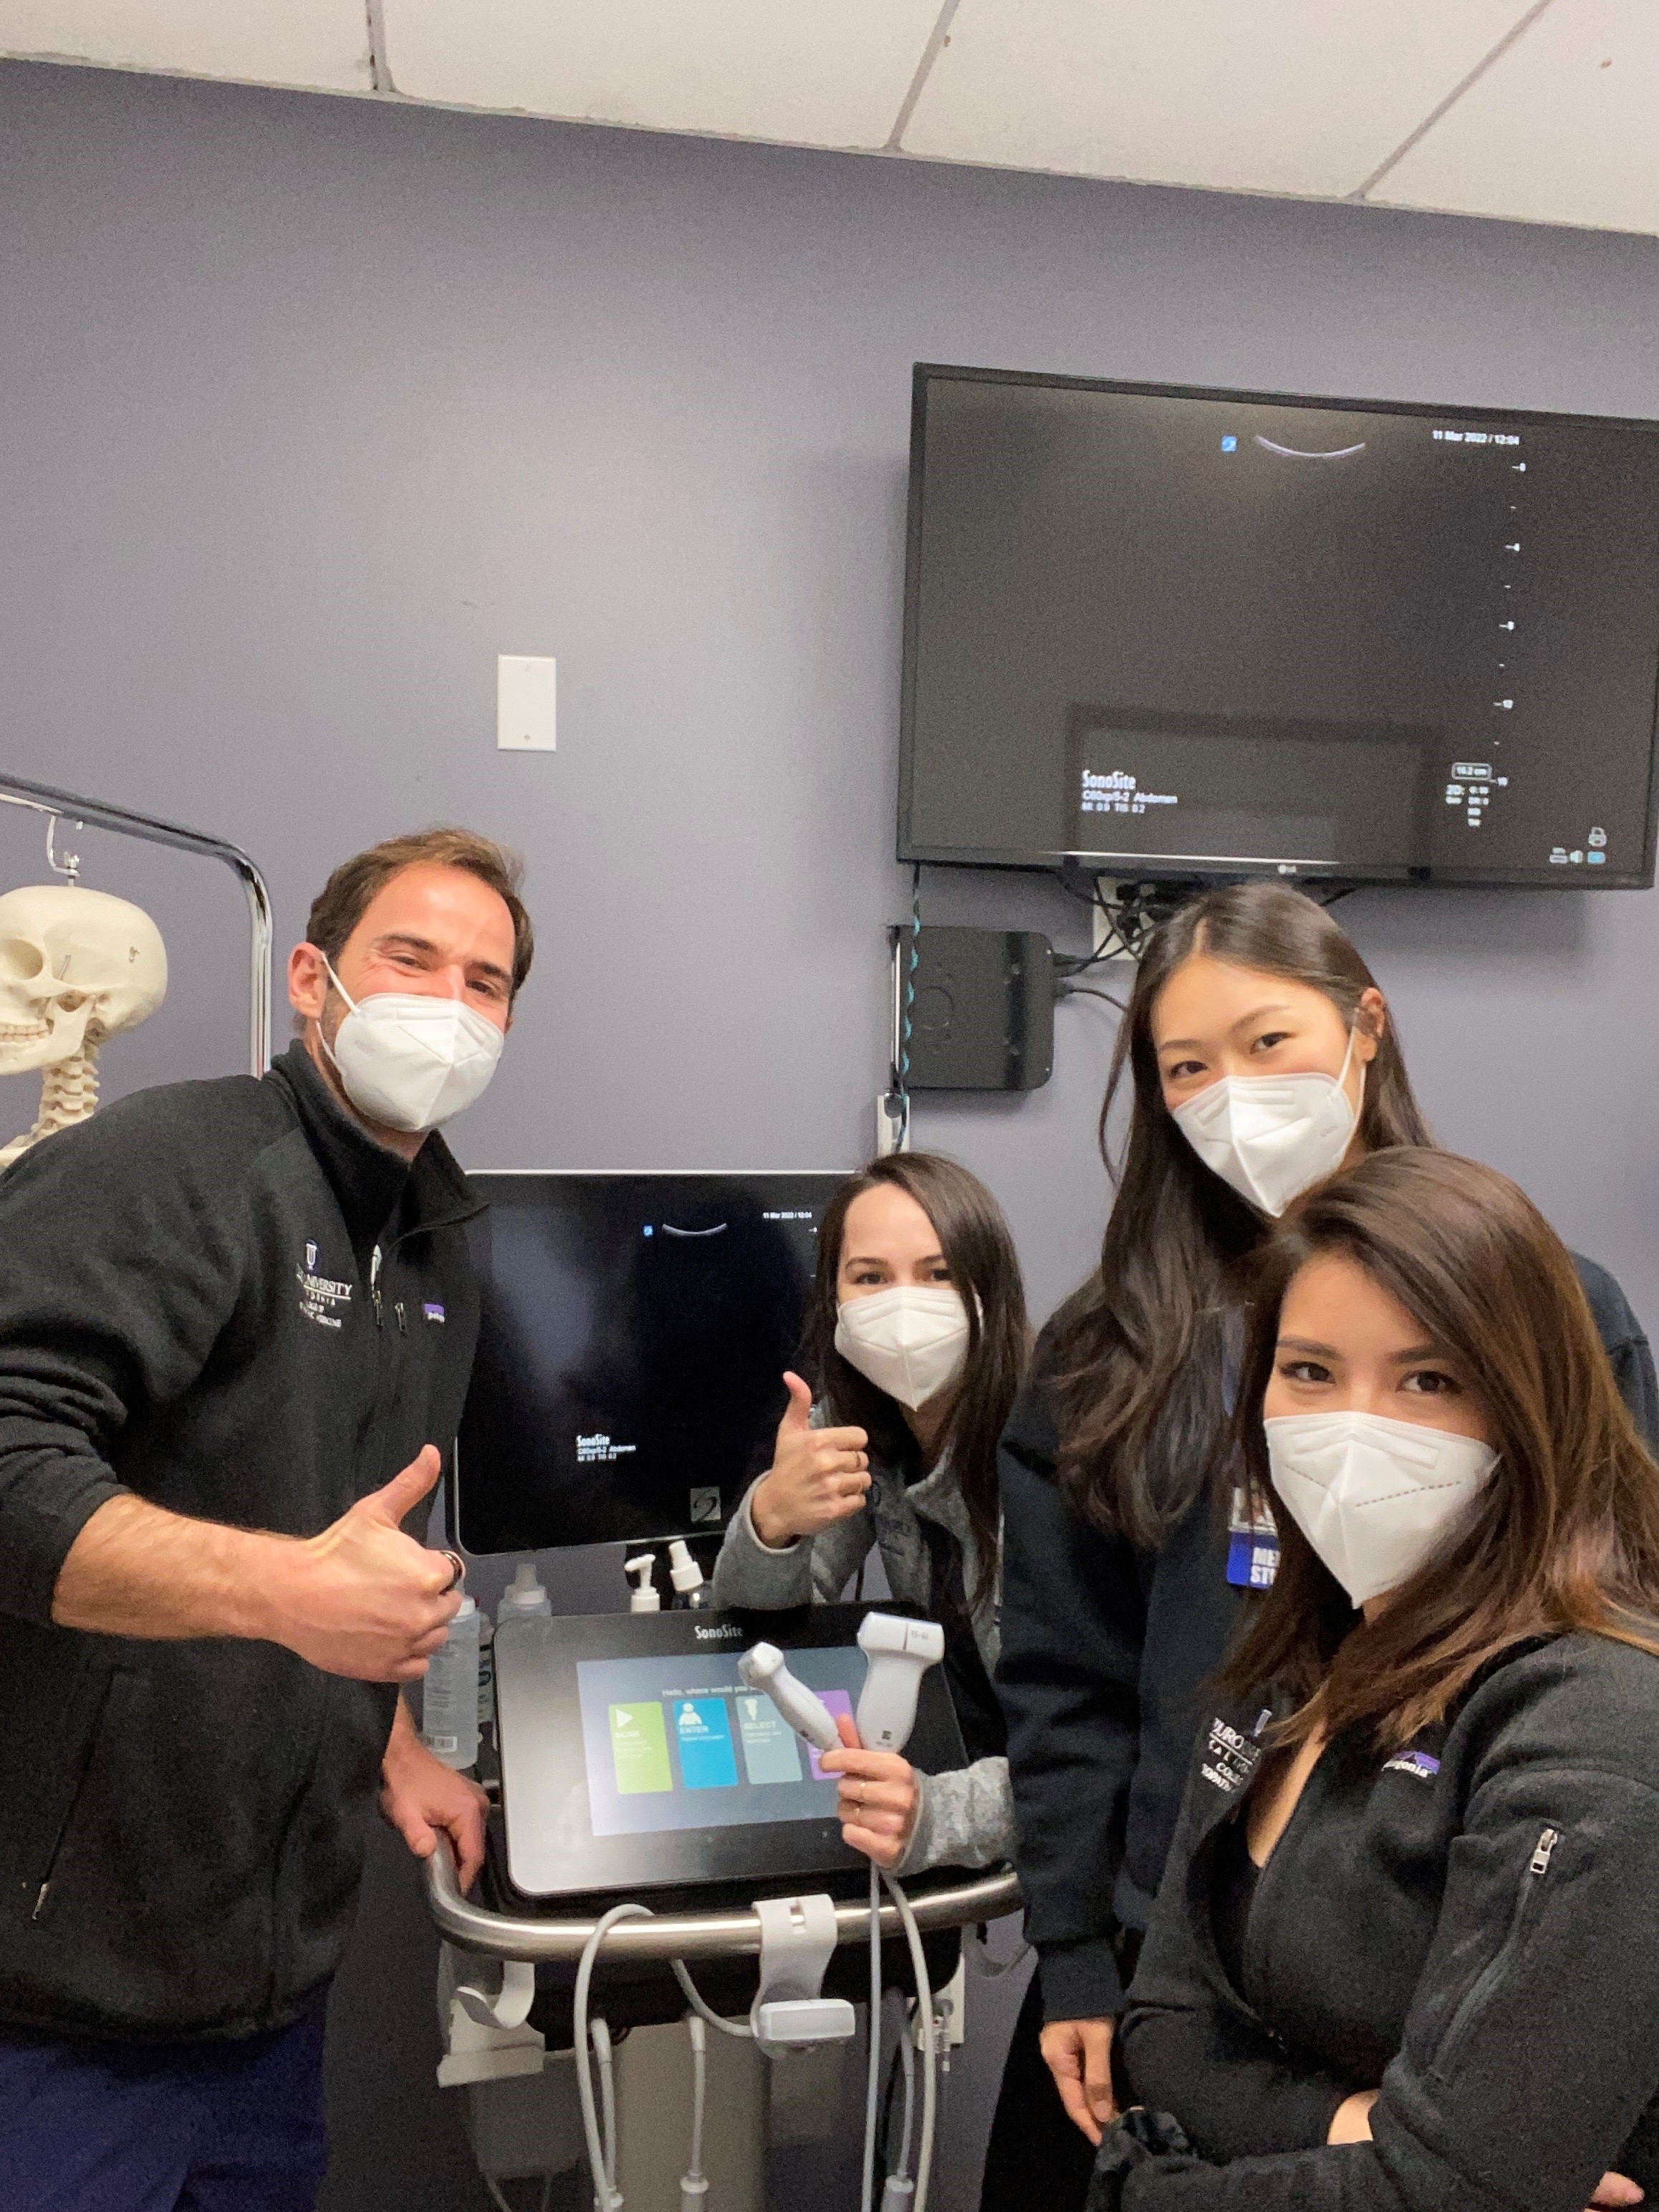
639,1749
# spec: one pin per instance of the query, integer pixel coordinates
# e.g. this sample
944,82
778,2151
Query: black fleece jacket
225,1298
1470,1925
1105,1649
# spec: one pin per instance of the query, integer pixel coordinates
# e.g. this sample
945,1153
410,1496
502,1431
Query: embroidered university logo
319,1294
1422,1764
1229,1759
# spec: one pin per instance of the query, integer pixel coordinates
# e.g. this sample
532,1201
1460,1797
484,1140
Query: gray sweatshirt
966,1817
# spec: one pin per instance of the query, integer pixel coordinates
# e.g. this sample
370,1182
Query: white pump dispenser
684,1572
523,1599
646,1597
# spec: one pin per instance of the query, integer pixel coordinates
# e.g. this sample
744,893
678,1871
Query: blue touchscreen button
707,1758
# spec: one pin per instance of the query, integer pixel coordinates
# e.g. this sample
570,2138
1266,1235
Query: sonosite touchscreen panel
634,1335
682,1743
634,1756
1219,634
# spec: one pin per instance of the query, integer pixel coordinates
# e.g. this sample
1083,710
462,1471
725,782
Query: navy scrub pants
123,2127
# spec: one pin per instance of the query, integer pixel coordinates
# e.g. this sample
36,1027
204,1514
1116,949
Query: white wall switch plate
525,717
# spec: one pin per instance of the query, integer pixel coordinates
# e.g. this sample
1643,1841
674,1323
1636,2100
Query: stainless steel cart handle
953,1904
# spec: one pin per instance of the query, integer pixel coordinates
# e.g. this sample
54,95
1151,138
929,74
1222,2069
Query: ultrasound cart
633,1763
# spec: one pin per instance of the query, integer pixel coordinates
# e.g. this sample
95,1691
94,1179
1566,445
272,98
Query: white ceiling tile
1299,96
318,44
831,74
1563,128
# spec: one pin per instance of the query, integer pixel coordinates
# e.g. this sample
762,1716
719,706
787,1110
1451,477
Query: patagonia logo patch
1423,1764
433,1310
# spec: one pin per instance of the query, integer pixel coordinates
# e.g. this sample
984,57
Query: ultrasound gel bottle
486,1673
449,1700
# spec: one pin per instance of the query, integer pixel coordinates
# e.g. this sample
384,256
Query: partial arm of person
800,1533
422,1799
121,1263
1529,2050
1073,1622
908,1821
963,1818
361,1599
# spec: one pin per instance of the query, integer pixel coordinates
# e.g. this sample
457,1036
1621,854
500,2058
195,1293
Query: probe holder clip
510,2005
797,1935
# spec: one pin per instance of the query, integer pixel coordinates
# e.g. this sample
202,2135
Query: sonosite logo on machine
716,1635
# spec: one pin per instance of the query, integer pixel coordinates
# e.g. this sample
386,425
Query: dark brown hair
347,896
976,1246
1564,1535
1136,1355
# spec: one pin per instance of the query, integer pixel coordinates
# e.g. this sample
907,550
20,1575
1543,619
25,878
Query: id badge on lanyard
1252,1545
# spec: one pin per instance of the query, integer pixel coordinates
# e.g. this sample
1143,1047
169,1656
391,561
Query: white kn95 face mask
1374,1497
1272,1137
910,1342
412,1062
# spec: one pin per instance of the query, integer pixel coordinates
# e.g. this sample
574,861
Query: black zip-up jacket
1471,1924
1105,1649
192,1309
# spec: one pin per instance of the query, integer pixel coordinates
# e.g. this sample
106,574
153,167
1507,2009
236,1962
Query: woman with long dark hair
1257,1056
916,1342
916,1345
1406,1952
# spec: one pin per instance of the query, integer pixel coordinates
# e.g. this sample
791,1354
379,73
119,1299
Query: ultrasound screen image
1173,629
632,1344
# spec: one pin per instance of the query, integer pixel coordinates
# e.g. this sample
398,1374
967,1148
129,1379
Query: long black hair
1136,1357
975,1243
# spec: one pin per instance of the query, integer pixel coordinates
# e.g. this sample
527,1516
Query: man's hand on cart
423,1798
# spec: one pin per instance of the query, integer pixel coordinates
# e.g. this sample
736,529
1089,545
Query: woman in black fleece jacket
1406,1955
1122,1583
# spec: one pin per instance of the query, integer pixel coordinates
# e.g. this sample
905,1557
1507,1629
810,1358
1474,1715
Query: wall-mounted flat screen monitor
1171,633
634,1332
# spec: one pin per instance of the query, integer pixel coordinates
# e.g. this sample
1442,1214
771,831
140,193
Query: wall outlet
525,700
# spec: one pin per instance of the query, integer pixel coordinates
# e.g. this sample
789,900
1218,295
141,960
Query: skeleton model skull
77,968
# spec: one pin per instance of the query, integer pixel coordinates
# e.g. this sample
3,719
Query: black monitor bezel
1139,866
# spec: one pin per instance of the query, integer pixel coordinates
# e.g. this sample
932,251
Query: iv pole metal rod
93,813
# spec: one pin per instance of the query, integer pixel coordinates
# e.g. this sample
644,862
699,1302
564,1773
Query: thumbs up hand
817,1476
362,1599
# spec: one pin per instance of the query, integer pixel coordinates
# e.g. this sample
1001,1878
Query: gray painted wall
313,407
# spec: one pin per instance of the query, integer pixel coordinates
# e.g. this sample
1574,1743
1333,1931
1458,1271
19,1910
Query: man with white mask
237,1321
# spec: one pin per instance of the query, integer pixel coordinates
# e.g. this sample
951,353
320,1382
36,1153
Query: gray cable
694,2182
908,2060
925,2008
872,2084
702,2009
605,2194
